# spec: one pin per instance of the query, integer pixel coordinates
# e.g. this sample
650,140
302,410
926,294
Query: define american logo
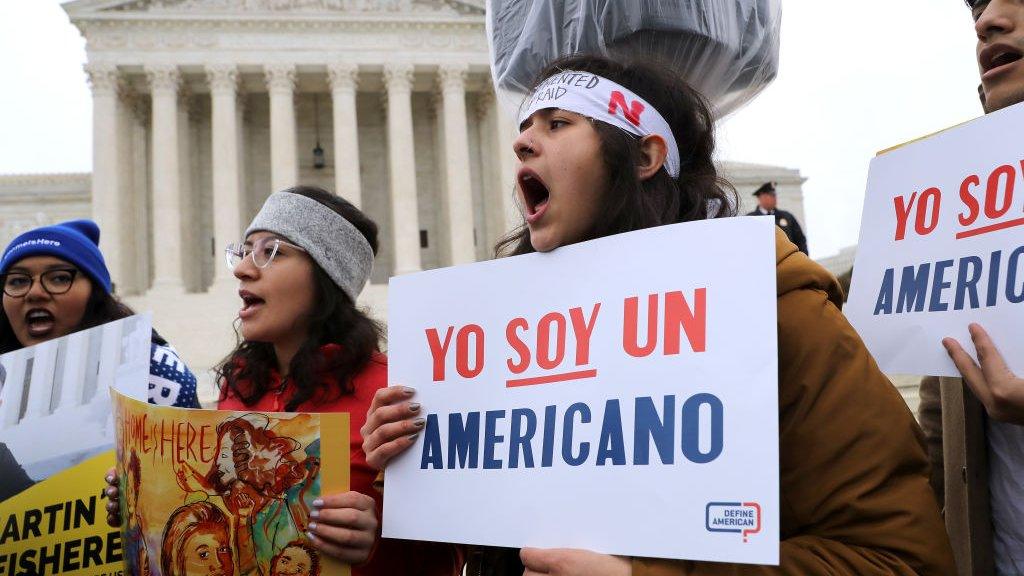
735,517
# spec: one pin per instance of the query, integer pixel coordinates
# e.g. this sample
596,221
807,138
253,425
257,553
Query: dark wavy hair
246,372
100,308
630,203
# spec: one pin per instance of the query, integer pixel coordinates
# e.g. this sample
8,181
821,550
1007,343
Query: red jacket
390,557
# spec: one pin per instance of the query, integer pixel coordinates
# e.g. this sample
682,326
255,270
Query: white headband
601,99
332,241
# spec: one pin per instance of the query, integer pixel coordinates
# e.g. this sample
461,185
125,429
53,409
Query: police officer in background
785,220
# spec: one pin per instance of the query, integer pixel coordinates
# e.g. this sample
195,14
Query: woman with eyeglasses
55,282
304,346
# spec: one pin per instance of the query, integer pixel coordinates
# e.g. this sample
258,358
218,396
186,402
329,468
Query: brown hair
252,445
313,553
246,372
182,525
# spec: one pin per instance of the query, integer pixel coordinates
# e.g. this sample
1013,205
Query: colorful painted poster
225,493
617,395
56,442
942,246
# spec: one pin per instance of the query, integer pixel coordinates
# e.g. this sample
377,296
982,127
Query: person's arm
171,382
998,388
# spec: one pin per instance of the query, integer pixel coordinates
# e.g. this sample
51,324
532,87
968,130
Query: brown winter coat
854,491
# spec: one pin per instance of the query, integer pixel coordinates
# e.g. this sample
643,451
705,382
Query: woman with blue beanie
55,282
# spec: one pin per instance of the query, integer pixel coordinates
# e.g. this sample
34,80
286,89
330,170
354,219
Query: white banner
55,396
942,245
618,395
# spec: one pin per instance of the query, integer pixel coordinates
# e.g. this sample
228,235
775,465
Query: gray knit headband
331,240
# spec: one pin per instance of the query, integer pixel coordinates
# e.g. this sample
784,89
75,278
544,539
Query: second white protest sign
941,246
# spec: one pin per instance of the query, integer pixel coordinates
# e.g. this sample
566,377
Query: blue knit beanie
76,242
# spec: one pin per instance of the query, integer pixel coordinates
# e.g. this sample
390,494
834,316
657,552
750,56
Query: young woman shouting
305,347
608,147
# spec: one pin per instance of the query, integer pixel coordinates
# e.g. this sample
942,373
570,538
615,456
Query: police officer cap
766,188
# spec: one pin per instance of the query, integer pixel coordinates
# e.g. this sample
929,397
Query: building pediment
277,7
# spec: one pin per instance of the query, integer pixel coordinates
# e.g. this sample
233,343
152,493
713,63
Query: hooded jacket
853,474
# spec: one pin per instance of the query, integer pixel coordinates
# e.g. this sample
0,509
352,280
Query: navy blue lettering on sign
699,422
965,278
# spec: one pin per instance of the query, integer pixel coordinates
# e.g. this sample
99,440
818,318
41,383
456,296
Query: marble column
164,81
402,169
458,191
344,79
494,190
106,169
284,162
227,191
192,249
505,158
142,214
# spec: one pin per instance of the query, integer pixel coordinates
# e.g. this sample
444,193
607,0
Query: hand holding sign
391,425
998,388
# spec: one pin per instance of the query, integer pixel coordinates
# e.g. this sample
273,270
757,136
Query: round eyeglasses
261,251
54,282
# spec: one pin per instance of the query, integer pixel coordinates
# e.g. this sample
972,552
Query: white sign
64,384
618,395
942,245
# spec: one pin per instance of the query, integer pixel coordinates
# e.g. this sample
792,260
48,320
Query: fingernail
319,503
413,437
409,391
414,407
314,514
109,491
111,507
110,479
418,422
311,528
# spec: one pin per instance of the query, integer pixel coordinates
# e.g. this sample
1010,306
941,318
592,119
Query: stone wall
31,200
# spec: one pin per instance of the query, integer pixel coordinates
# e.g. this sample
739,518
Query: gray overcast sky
855,77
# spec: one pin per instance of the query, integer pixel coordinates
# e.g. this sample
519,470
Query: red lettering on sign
631,112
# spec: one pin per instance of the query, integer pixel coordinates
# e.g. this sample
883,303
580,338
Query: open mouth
997,56
40,322
535,194
250,304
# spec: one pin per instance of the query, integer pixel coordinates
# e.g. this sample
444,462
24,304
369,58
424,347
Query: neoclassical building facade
202,108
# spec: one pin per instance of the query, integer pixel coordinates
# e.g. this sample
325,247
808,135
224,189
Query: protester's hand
993,383
344,526
240,500
569,562
112,492
392,424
